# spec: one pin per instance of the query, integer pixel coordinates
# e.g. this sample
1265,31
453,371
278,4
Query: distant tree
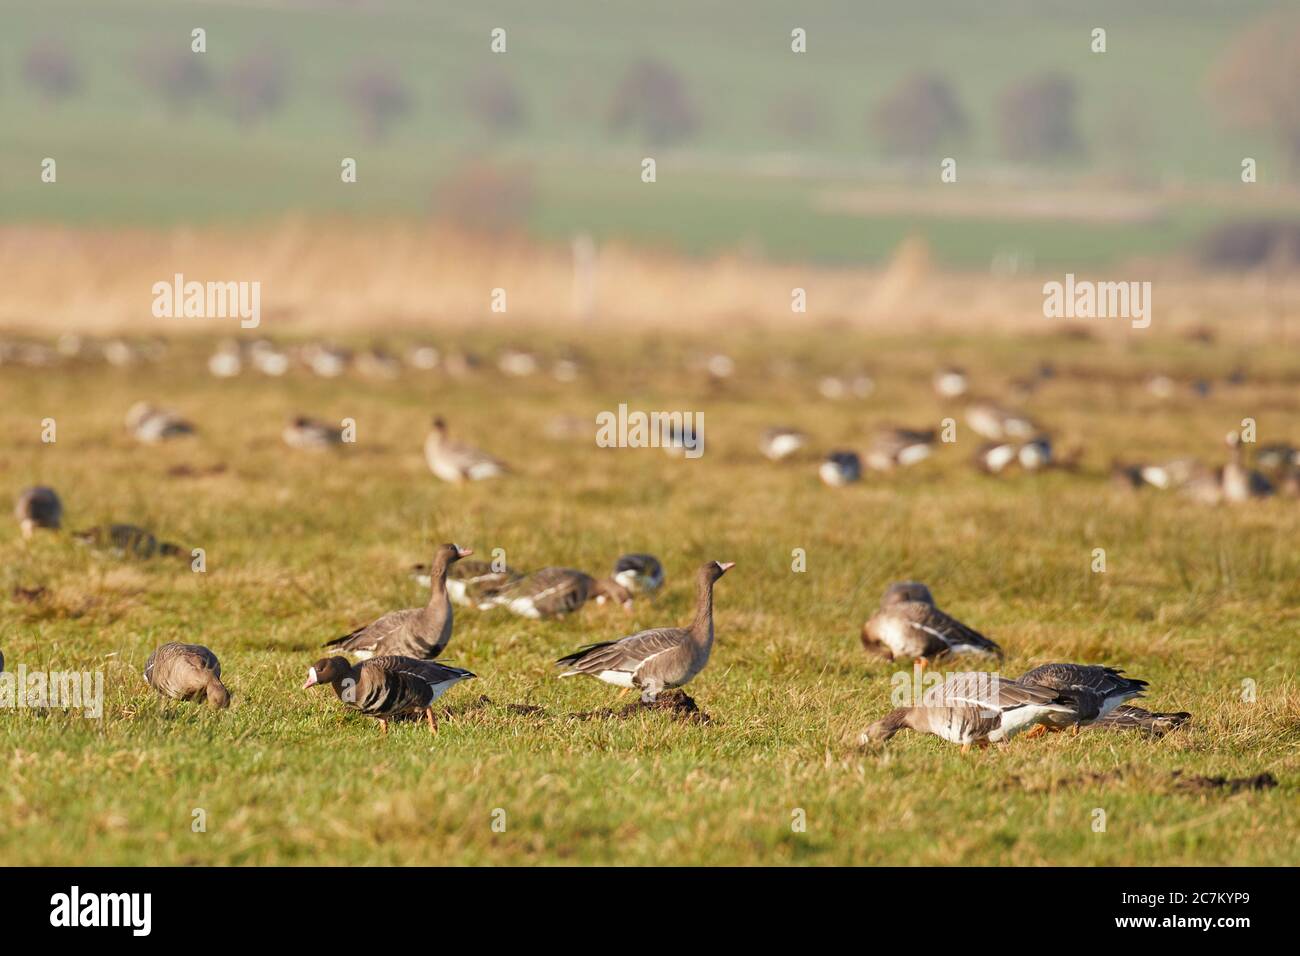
494,100
1036,118
51,69
256,85
178,76
1255,83
651,100
379,96
917,116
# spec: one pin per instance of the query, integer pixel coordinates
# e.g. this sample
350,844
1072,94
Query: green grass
301,547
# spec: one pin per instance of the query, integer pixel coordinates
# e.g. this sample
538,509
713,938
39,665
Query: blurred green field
301,547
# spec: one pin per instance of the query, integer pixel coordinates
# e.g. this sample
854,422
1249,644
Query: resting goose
38,507
973,708
470,583
455,462
419,632
892,448
908,627
1096,691
777,443
999,424
661,658
1129,717
840,468
311,433
386,687
639,573
127,541
554,592
188,672
150,425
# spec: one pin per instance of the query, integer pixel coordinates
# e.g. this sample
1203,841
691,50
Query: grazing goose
187,672
311,433
840,468
891,448
639,573
656,659
150,425
127,541
1096,691
38,507
1128,717
999,424
554,592
974,709
455,462
908,625
1239,482
470,583
778,443
419,632
387,687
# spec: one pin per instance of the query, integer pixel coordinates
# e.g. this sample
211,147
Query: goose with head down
1096,690
639,573
189,672
387,687
38,507
908,625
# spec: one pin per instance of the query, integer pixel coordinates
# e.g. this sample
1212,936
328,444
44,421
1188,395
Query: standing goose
1241,483
38,507
419,632
1129,717
656,659
470,583
892,448
150,425
554,592
973,708
908,625
778,443
386,687
455,462
187,672
639,573
1096,690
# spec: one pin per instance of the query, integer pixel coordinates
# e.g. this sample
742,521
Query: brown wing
370,636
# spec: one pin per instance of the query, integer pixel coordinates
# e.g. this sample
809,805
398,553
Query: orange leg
623,693
433,723
921,663
383,726
1038,731
965,748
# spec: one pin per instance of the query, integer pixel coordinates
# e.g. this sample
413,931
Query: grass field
302,547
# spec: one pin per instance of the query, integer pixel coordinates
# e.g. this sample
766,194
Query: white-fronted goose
1241,483
127,541
456,462
778,443
661,658
419,632
892,448
973,708
639,573
187,672
906,628
1096,691
950,382
840,468
150,424
554,592
311,433
999,424
38,507
387,687
1129,717
470,583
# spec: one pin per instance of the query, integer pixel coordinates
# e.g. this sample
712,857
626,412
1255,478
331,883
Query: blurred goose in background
327,361
1165,476
311,433
150,424
850,386
470,583
377,362
517,363
657,659
1277,457
992,458
840,468
227,361
973,708
38,507
1036,454
639,573
188,672
1095,690
999,424
950,382
456,462
127,541
1241,483
892,448
387,687
1129,717
423,358
908,625
778,443
419,632
567,368
555,592
268,359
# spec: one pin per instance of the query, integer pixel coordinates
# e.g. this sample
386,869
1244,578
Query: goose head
327,670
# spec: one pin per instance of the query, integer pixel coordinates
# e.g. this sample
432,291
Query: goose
38,507
555,592
517,363
387,687
567,368
908,625
420,632
992,458
950,382
227,361
998,424
1035,454
1129,717
455,462
127,541
840,468
311,433
1096,691
891,448
187,672
639,573
423,358
656,659
1277,457
268,359
857,386
1239,482
150,425
327,361
778,443
470,583
973,708
377,362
